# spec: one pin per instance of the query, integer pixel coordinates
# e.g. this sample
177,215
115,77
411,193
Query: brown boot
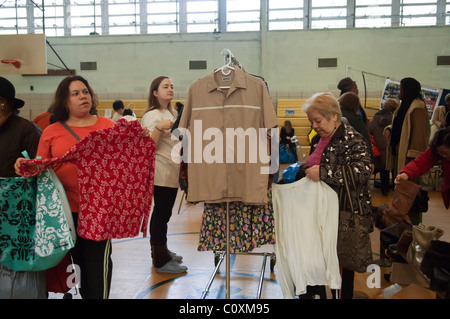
160,255
402,201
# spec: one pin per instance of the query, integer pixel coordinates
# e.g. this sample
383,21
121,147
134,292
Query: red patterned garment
115,177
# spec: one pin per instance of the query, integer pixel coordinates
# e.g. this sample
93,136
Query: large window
445,15
285,15
373,13
123,17
162,16
109,17
418,12
328,14
13,17
84,17
243,15
202,15
54,18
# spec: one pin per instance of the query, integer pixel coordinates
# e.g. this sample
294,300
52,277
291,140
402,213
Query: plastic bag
290,172
22,284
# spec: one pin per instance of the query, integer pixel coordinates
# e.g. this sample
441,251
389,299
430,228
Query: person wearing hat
16,133
348,85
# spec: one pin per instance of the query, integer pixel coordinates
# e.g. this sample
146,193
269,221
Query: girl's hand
145,132
164,125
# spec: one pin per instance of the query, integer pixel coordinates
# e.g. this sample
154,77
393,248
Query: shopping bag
286,155
55,233
22,284
17,222
36,225
290,172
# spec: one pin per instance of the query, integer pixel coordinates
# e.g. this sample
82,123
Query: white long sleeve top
306,225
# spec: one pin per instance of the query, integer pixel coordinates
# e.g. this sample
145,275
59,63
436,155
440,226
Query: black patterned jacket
346,160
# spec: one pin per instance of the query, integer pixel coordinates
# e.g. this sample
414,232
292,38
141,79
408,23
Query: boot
422,235
404,242
402,201
175,257
172,267
164,262
160,255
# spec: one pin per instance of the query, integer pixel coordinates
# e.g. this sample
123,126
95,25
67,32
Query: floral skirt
251,226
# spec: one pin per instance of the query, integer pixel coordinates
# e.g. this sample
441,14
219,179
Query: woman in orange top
75,105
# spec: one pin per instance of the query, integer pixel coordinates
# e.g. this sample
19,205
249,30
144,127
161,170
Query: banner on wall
431,95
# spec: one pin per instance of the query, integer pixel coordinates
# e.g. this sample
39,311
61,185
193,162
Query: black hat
8,91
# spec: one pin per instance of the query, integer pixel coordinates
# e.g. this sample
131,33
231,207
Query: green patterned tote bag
54,235
36,226
17,222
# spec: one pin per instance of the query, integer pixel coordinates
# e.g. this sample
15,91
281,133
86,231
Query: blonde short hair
325,104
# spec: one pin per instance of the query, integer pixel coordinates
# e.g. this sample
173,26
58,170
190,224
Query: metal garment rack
230,60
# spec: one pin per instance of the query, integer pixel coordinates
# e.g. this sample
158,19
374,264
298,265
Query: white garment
306,227
167,161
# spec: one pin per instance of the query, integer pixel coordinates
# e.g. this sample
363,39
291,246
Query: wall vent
88,66
443,60
197,65
327,63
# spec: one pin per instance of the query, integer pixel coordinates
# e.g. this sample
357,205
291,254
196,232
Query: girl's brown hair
153,103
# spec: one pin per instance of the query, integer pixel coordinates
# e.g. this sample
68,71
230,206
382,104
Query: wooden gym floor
134,277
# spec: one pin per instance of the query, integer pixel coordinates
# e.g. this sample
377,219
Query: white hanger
228,66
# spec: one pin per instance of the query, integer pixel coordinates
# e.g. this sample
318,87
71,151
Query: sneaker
175,257
172,267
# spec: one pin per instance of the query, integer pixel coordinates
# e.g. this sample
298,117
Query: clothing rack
230,61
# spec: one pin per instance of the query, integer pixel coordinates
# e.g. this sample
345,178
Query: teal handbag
36,225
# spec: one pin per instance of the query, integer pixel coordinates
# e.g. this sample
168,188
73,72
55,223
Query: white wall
287,59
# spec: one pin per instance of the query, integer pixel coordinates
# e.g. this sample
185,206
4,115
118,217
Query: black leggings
164,199
94,259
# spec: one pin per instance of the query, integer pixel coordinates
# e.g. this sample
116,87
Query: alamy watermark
235,145
374,279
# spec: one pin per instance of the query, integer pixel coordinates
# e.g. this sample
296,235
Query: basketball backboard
23,54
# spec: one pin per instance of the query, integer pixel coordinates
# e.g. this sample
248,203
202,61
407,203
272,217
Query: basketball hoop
17,64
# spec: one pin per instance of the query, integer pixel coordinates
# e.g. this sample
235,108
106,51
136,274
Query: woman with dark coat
376,127
339,154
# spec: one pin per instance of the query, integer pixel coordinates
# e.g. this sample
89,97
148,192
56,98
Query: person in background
44,119
349,103
75,104
159,119
376,127
16,135
128,115
179,107
348,85
336,146
118,110
440,117
440,113
408,134
286,133
438,153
